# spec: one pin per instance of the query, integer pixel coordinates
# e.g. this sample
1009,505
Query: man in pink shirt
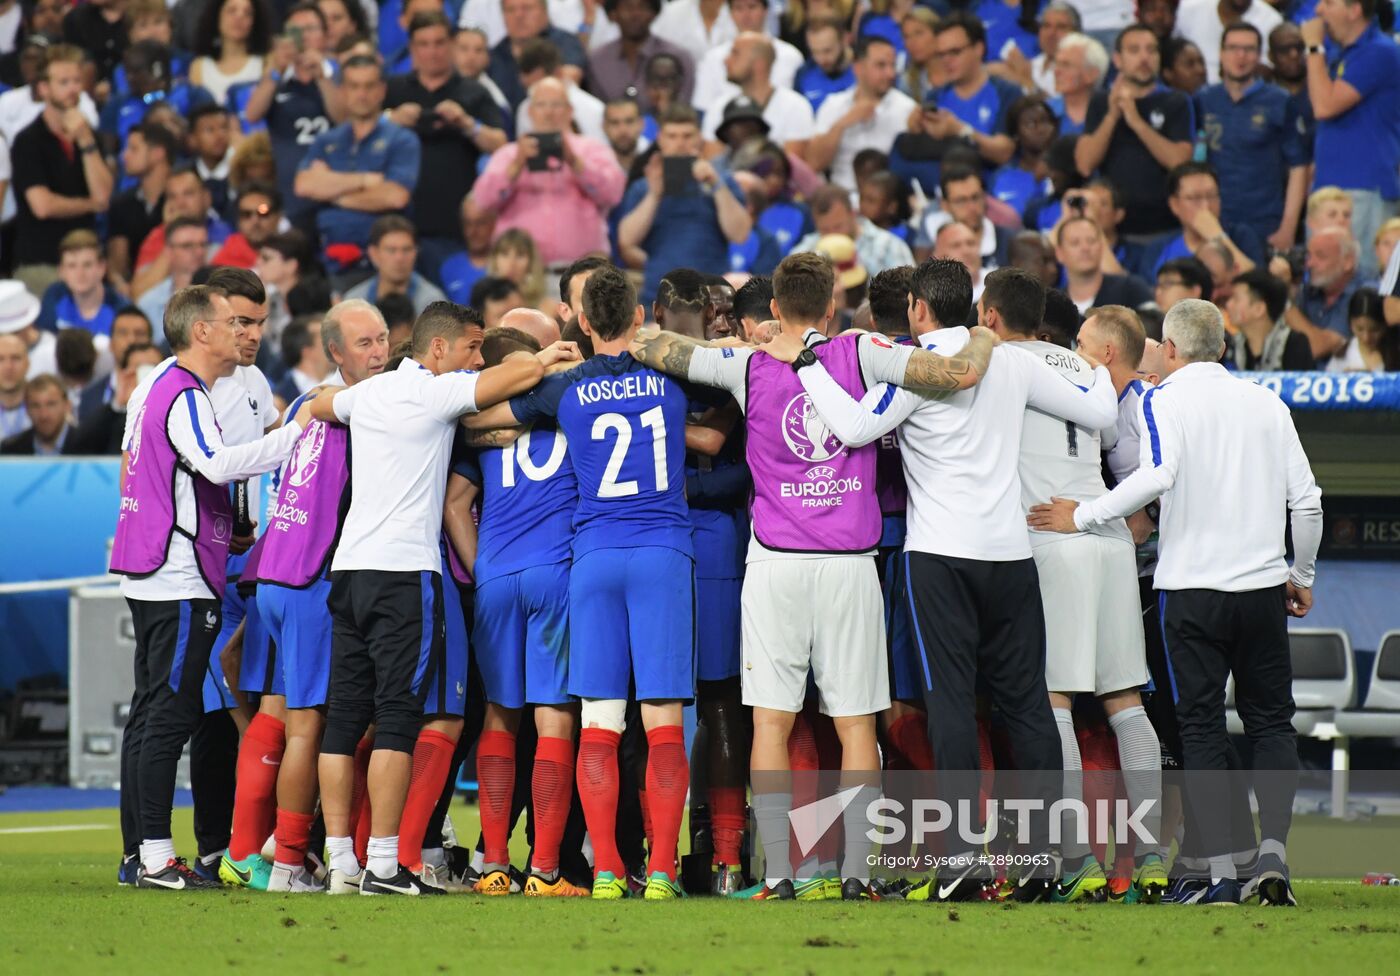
561,201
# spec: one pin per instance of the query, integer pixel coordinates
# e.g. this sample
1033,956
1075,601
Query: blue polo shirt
1252,144
814,84
684,234
58,311
1016,187
1312,302
1360,149
1244,236
122,114
457,276
985,111
1003,24
388,149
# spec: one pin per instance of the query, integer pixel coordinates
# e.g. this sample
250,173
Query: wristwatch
1316,49
804,358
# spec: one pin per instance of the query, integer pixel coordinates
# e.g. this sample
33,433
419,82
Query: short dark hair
682,288
976,32
1061,320
1191,271
826,196
205,111
946,288
397,309
133,349
296,339
425,19
538,54
754,299
865,42
492,289
1192,168
362,61
585,264
609,302
1019,298
889,300
391,224
75,353
1024,104
1242,27
312,295
185,169
306,7
263,189
1265,288
678,113
293,245
183,223
131,311
239,282
501,342
956,174
444,320
803,285
573,332
156,134
1134,28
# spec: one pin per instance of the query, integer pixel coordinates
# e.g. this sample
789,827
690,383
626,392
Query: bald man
533,323
749,68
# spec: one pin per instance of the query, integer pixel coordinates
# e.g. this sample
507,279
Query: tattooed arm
725,366
666,352
936,377
495,437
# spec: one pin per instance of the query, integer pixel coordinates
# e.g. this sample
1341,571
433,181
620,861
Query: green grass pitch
61,912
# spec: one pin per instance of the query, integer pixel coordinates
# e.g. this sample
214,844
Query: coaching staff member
171,546
1223,455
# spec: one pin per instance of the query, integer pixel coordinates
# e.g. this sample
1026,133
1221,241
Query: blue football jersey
625,425
528,498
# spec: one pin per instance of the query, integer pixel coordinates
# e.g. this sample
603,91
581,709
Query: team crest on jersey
221,528
806,434
307,455
1157,119
134,454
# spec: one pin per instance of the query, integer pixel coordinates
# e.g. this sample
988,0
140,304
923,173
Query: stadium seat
1324,682
1379,716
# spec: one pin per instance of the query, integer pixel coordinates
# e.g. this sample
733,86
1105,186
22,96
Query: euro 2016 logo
805,432
307,455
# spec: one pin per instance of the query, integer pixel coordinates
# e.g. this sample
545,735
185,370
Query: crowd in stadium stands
1129,153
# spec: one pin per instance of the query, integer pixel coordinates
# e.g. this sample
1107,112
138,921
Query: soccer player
387,641
172,544
294,582
1093,628
521,635
972,581
632,582
807,552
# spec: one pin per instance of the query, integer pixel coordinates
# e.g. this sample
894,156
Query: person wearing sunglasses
259,213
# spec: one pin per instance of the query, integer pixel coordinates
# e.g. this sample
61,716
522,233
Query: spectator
1183,67
923,68
397,59
622,124
695,25
60,180
540,59
398,316
47,405
869,115
304,357
1253,143
527,19
99,28
100,430
211,148
284,260
885,204
1352,92
516,257
18,311
1034,128
616,69
876,250
1320,308
1182,278
1387,236
561,201
1058,20
691,224
150,20
457,123
259,209
252,163
1374,346
471,56
1079,246
150,82
1263,340
749,65
1031,252
365,167
1158,16
185,196
955,242
760,252
1137,132
393,249
1193,194
187,246
75,356
786,217
828,70
14,365
1290,71
964,192
81,297
1329,206
1079,67
489,17
1207,24
972,105
296,96
662,78
344,19
714,77
462,270
1007,26
233,38
43,22
1220,262
493,297
129,328
148,156
24,103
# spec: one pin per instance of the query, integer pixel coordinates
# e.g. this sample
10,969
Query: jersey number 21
621,426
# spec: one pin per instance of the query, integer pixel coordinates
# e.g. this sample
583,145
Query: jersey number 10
518,454
654,418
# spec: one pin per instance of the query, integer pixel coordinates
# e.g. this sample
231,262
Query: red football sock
255,797
986,761
432,755
668,780
727,822
293,836
909,733
597,791
552,790
645,805
359,798
495,776
802,760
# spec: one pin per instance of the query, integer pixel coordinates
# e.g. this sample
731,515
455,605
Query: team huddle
890,548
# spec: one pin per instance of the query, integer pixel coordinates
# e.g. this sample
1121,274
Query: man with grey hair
1319,309
1078,66
1225,459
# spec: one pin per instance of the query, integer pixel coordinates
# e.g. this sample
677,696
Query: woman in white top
1374,347
234,35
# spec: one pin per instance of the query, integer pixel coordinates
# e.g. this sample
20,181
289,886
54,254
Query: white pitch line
61,828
